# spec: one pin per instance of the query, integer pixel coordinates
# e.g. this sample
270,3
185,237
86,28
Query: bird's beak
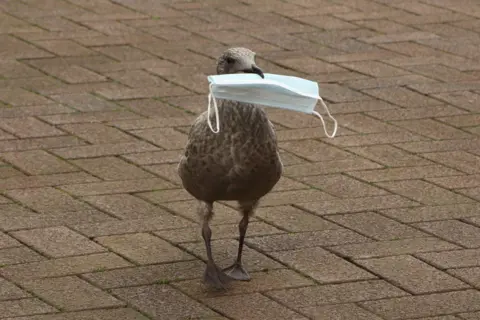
255,70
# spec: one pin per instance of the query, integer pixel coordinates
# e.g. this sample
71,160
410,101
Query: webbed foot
215,277
237,271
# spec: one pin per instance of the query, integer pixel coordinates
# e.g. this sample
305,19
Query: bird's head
238,60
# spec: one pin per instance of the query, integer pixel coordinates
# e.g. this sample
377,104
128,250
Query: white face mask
279,91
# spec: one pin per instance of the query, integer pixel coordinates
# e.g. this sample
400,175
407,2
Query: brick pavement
382,222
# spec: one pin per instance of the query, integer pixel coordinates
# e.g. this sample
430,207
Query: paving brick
112,187
16,49
24,307
469,275
48,200
301,240
460,181
9,291
293,219
374,68
112,168
422,112
165,137
400,37
460,160
309,149
440,146
159,222
29,128
402,97
290,197
423,192
464,99
21,181
376,138
38,162
261,307
356,56
157,109
35,110
310,65
431,213
98,133
71,293
330,166
58,242
144,248
37,143
108,149
462,120
6,241
392,247
407,173
376,226
64,47
433,129
441,73
17,255
146,299
357,205
125,206
341,311
426,305
454,231
412,274
84,102
124,53
452,259
106,314
20,97
101,116
343,186
64,266
14,69
389,156
146,275
384,26
364,124
322,265
336,293
470,316
153,157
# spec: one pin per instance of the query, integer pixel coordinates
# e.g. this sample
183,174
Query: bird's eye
230,60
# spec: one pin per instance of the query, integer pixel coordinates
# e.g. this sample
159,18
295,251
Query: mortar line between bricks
33,295
202,303
287,306
357,304
328,218
111,293
442,237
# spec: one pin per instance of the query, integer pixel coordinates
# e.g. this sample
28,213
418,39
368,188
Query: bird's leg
213,275
236,270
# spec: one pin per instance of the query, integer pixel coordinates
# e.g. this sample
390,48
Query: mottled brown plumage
240,163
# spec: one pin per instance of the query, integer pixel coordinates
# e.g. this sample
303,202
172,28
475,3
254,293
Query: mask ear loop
323,122
211,98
